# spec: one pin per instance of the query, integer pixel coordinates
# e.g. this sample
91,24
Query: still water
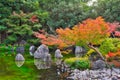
28,69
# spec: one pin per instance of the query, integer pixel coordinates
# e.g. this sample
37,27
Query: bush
79,63
109,45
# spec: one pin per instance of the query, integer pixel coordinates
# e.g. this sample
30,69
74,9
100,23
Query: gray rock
43,49
99,64
114,78
20,49
58,54
41,52
32,50
79,51
37,55
42,58
23,42
19,57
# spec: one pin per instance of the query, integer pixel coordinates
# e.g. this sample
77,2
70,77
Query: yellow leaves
75,59
66,51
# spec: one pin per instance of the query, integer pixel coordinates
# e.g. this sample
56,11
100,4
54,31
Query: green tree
6,8
15,18
65,13
109,9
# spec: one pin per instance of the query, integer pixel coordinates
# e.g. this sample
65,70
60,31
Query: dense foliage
59,13
79,63
110,45
109,9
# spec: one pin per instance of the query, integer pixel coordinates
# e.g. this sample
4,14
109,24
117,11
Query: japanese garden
59,40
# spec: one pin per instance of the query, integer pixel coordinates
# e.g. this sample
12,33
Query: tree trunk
95,49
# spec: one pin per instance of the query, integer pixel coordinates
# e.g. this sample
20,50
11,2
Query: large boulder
43,48
42,58
37,55
41,52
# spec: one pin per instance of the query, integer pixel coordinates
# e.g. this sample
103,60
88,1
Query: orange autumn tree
90,30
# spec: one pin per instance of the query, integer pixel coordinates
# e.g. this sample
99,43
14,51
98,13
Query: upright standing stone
58,56
19,60
19,57
32,50
79,51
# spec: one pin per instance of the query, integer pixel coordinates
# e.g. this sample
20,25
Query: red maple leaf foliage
117,33
113,28
41,36
110,54
34,19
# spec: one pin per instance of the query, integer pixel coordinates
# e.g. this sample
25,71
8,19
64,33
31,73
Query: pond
10,70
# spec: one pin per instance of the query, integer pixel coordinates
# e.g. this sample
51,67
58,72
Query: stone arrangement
42,60
100,74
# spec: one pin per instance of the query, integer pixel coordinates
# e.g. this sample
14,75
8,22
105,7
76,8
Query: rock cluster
100,74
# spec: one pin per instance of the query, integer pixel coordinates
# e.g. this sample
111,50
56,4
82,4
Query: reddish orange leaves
90,30
34,19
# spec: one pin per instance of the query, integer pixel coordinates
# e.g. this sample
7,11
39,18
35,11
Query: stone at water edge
43,48
37,55
32,50
39,63
43,63
19,57
20,49
58,54
19,63
42,58
41,52
48,60
19,60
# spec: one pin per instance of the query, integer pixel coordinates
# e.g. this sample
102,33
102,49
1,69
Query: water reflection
19,63
19,60
40,64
